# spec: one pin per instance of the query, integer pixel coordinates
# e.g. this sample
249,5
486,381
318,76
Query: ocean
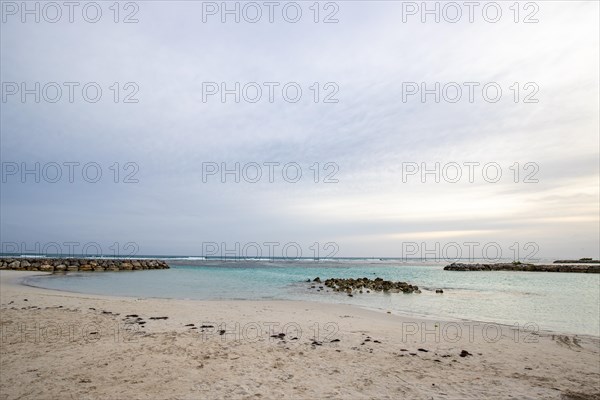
560,302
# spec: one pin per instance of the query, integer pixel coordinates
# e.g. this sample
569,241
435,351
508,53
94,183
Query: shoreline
144,348
19,282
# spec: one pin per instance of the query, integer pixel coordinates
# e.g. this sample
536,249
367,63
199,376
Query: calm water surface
563,302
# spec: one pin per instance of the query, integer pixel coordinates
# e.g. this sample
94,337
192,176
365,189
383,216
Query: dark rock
465,353
361,285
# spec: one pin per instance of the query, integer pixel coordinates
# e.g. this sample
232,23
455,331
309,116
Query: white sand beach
69,345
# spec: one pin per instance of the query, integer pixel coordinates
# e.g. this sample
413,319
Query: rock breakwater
80,264
581,268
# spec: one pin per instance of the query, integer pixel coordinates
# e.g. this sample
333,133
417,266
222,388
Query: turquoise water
562,302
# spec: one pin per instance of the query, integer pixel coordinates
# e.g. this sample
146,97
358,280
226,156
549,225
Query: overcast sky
367,62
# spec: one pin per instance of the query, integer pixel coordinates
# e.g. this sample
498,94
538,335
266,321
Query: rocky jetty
580,261
79,264
594,269
360,285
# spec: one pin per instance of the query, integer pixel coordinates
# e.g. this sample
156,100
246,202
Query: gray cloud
369,133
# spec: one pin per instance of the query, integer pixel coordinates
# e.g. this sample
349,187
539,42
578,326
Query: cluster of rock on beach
79,264
362,285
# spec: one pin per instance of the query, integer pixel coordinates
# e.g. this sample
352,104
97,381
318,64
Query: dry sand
58,345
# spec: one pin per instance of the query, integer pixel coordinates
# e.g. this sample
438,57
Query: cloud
370,133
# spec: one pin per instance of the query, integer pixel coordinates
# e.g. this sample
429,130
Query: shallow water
563,302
